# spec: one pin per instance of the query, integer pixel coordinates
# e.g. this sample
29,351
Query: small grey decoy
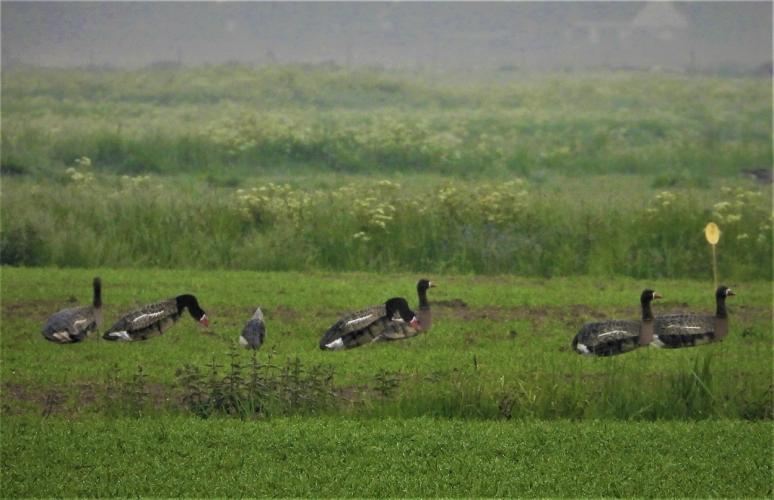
254,332
608,338
76,323
393,320
152,320
687,330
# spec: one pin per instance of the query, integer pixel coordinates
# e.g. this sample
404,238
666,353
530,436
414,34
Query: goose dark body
609,338
152,320
254,332
393,320
673,331
74,324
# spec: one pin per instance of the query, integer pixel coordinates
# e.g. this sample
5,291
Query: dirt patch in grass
284,313
75,399
453,303
35,309
537,315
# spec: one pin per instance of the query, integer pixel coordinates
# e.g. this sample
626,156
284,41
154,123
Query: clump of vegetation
256,390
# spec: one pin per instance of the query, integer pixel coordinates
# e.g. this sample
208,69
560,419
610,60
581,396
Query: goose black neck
720,312
399,305
647,312
97,285
189,302
422,294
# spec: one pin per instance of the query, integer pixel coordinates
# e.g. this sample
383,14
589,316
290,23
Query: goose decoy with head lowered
393,320
687,330
608,338
76,323
152,320
254,332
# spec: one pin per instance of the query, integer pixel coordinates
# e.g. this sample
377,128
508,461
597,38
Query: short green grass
492,401
648,423
383,458
510,340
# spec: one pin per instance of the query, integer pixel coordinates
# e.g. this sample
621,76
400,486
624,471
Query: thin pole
714,268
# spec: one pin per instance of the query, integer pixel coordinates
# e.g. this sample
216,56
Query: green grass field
377,458
449,413
320,168
237,119
536,202
493,337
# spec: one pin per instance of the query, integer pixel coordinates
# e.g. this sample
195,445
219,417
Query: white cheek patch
149,316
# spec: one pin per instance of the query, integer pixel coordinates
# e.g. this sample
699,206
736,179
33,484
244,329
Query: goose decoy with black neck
75,324
254,332
393,320
152,320
608,338
688,330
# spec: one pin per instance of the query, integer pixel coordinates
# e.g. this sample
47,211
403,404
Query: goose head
723,291
648,296
424,284
399,305
189,302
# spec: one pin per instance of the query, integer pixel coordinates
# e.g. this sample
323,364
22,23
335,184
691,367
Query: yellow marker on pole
712,233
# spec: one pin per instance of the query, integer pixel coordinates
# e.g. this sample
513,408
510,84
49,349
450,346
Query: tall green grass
601,226
241,118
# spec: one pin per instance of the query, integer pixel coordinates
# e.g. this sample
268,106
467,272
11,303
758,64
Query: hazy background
508,35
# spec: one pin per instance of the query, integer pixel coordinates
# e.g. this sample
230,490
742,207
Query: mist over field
511,35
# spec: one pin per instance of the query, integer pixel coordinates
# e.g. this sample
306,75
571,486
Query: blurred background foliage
305,167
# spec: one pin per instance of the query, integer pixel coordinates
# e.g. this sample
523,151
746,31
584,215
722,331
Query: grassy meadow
398,458
300,169
497,372
536,202
365,121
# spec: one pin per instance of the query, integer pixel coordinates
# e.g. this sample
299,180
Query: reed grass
523,226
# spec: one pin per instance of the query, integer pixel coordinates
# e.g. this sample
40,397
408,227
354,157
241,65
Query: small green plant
255,390
692,391
386,383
